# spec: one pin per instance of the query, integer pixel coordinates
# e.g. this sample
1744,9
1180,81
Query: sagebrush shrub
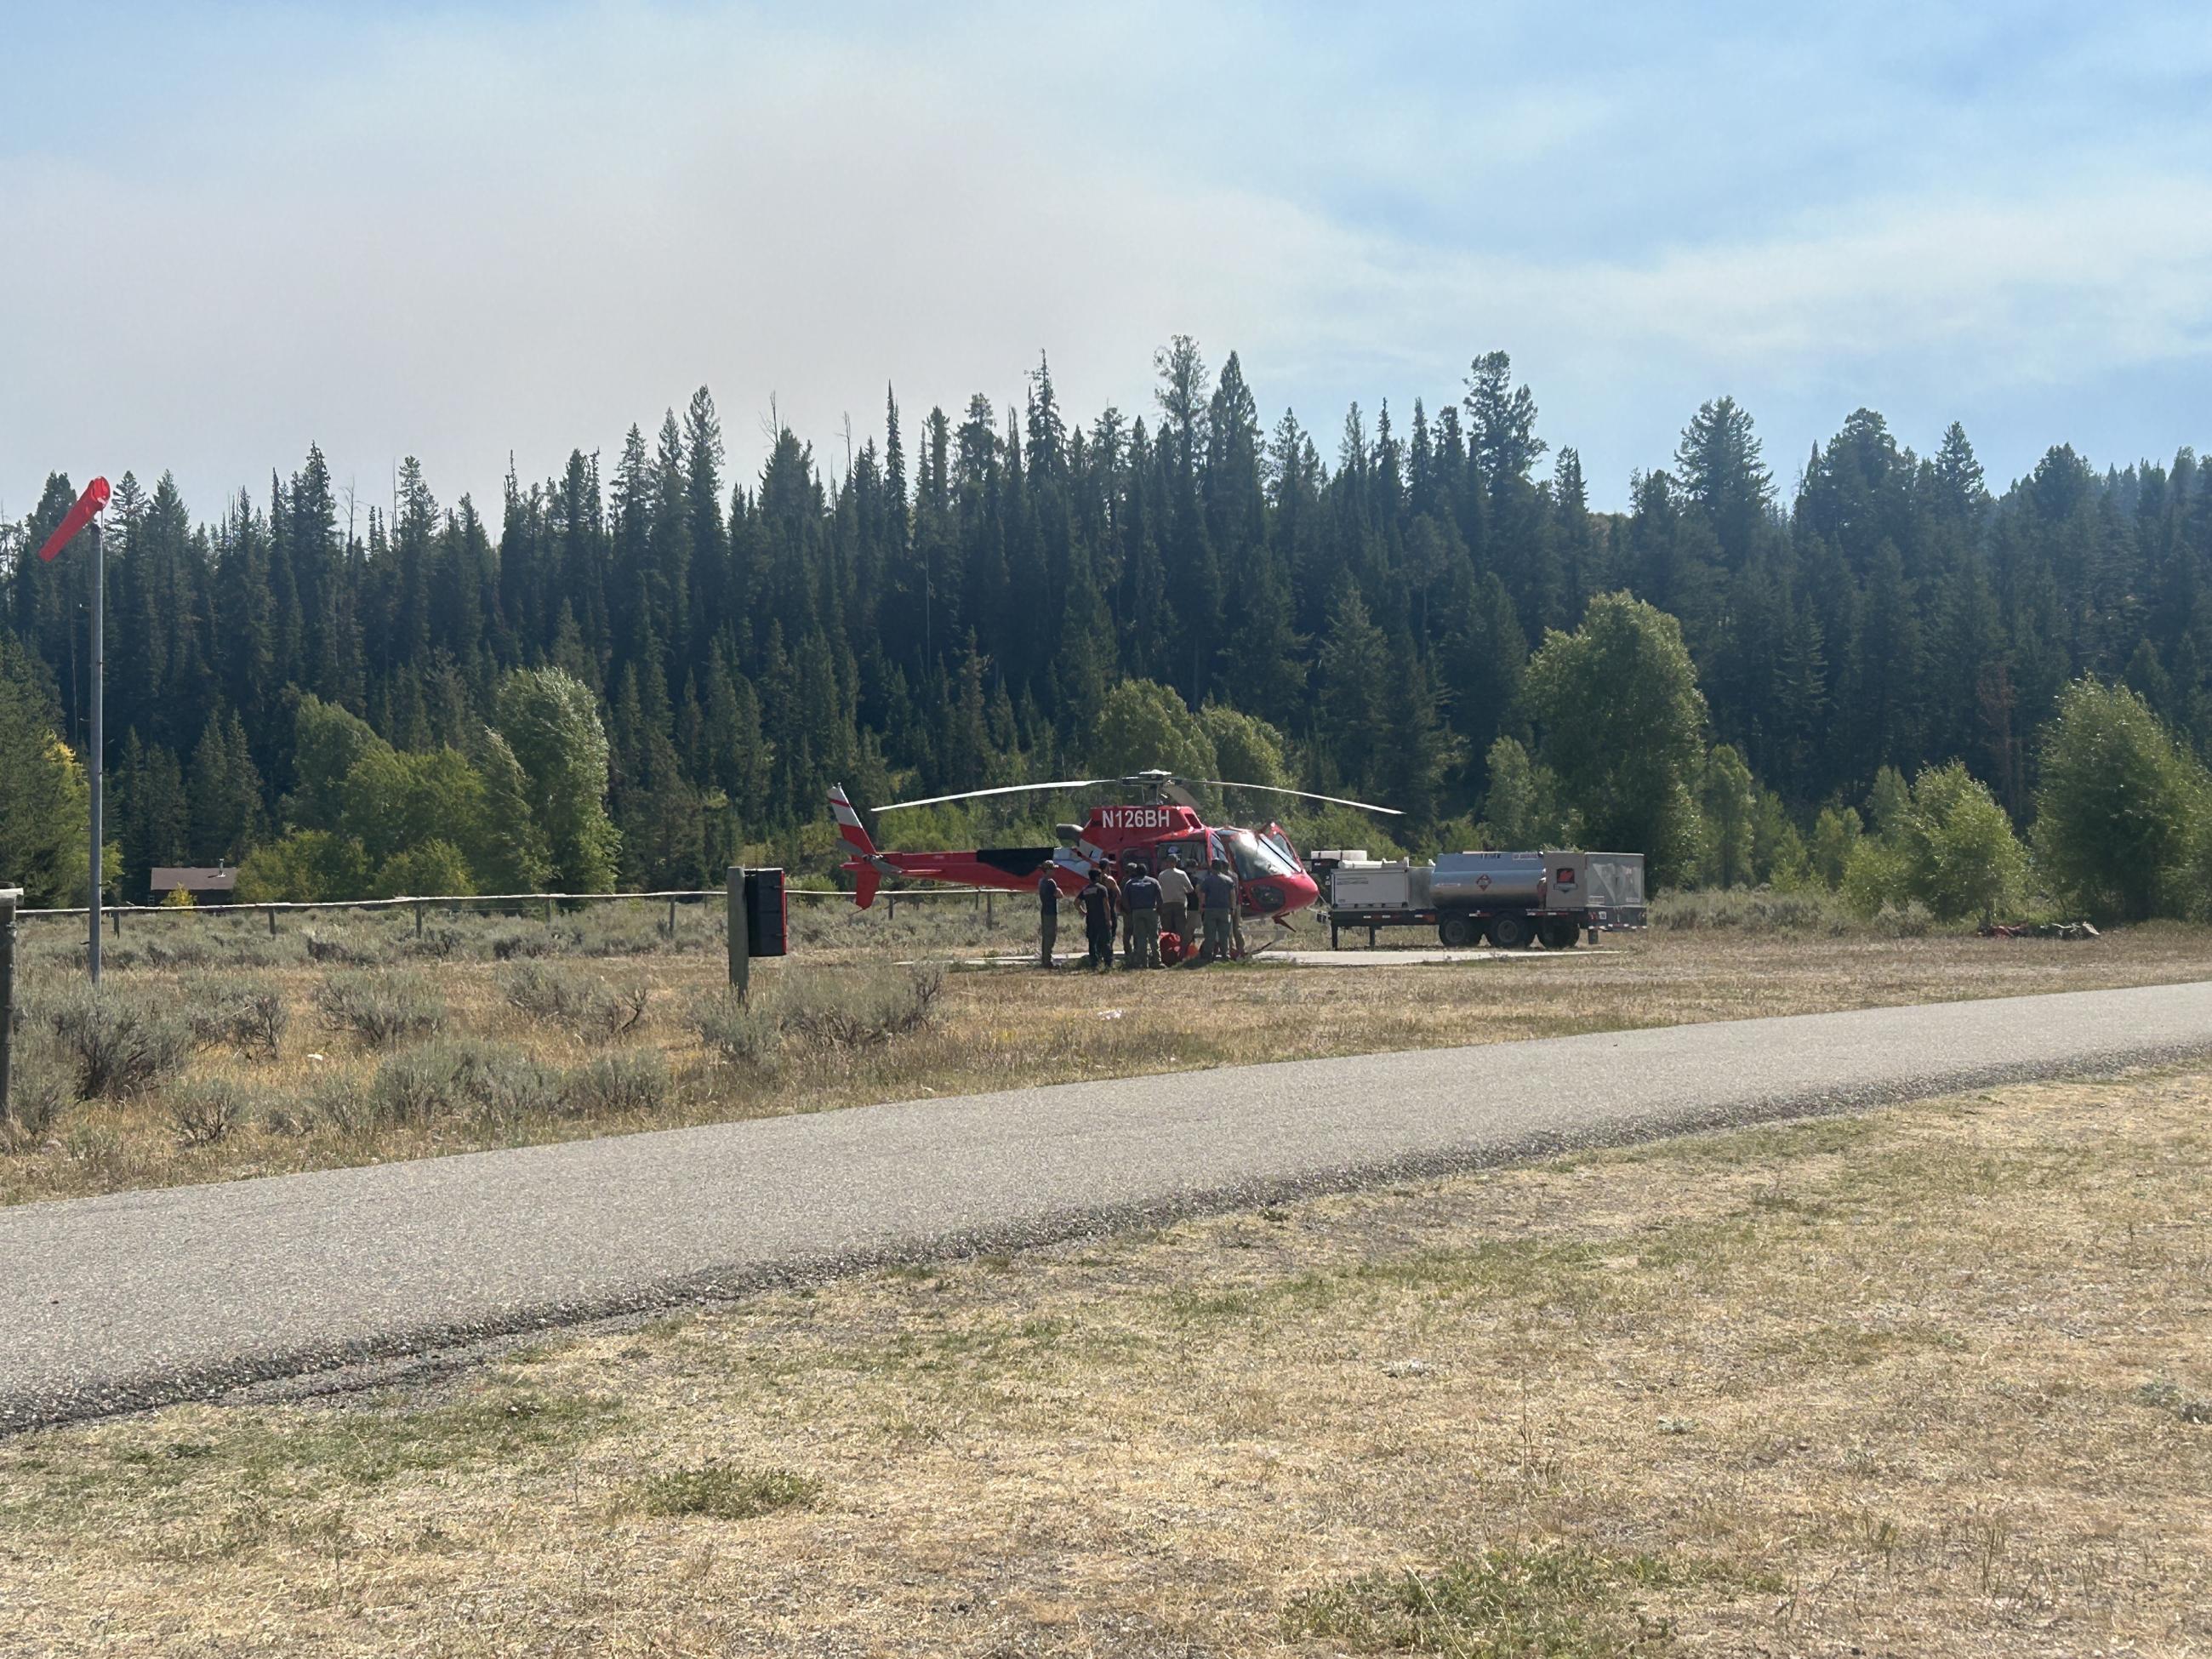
631,1085
247,1015
528,942
460,1079
739,1031
381,1009
607,931
120,1043
206,1110
852,1010
176,953
438,943
40,1093
574,1000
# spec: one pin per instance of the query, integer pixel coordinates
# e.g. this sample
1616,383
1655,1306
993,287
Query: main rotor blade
1005,789
1303,794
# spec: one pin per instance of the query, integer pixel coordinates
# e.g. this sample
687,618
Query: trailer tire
1457,933
1561,935
1509,932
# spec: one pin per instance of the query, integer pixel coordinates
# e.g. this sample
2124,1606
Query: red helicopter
1270,878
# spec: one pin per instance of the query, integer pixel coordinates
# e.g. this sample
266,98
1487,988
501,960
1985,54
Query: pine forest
628,673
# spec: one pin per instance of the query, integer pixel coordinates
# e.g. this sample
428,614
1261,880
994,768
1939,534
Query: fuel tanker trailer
1506,899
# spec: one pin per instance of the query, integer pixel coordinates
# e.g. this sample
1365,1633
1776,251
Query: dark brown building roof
193,879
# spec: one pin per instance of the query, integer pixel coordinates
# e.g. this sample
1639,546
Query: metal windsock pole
87,511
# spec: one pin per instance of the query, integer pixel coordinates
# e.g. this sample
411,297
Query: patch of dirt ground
1934,1381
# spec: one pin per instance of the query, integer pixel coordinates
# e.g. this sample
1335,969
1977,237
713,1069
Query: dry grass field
223,1052
1936,1381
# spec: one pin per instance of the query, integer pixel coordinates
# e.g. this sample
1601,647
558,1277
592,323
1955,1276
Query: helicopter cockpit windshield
1255,859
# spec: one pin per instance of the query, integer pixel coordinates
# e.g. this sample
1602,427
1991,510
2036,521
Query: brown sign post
741,963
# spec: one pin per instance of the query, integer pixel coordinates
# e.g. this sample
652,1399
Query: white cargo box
1371,887
1614,883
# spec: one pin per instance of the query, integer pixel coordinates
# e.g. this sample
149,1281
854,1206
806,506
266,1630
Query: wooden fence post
418,918
9,896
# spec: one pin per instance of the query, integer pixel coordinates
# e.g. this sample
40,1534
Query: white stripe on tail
871,866
848,823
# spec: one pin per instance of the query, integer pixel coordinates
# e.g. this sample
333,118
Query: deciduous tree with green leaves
45,803
1524,809
551,720
1142,724
1620,720
2122,809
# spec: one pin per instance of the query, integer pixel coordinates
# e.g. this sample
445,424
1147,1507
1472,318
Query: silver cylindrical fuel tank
1483,880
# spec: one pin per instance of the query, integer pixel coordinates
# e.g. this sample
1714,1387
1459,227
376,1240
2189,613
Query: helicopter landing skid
1280,936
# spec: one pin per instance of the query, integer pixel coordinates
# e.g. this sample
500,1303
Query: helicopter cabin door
1189,850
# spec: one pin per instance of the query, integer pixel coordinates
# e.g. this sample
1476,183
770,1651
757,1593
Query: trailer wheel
1561,935
1509,932
1457,933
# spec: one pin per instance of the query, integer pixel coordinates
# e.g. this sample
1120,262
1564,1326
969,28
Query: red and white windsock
94,498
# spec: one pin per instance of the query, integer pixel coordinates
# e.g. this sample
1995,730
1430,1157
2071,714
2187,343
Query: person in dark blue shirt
1140,895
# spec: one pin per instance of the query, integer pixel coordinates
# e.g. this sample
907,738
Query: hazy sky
456,231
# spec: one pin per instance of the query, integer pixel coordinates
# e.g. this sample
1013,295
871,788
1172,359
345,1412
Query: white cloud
453,244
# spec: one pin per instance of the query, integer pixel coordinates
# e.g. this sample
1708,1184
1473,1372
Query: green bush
1910,920
429,868
303,868
2123,808
1947,846
1875,873
1835,833
1966,863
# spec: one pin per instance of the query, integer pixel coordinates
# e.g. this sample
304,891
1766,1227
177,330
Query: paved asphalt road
1350,956
143,1298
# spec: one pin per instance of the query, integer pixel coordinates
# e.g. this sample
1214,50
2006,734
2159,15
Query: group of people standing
1145,908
